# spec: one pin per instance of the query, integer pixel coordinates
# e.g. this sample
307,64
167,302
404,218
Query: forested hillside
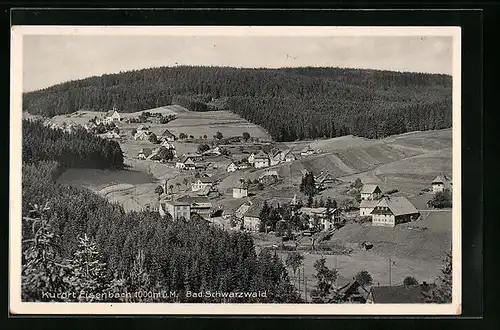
77,149
291,103
83,242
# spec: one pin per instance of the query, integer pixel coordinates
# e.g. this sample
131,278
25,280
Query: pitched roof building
401,294
391,211
441,182
370,191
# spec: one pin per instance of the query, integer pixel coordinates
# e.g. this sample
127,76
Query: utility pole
390,270
337,269
305,288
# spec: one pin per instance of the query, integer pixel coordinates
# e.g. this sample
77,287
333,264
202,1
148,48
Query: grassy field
411,250
98,179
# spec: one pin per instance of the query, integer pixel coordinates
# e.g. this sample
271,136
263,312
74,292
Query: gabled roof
168,133
354,288
370,189
241,211
269,173
261,155
142,127
368,203
186,160
307,148
397,205
398,294
253,211
441,179
207,179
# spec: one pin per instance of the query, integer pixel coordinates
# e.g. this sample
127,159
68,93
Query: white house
391,211
142,135
276,158
185,163
240,190
366,207
441,183
202,183
168,145
306,151
370,192
175,209
168,136
288,156
251,158
261,160
232,167
112,116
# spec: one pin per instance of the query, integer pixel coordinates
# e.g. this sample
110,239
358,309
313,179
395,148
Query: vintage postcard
235,170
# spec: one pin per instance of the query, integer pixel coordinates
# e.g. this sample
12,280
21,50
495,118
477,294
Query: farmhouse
202,183
391,211
143,128
112,116
167,145
275,158
176,209
366,207
240,190
198,204
307,151
142,135
261,160
354,293
269,177
288,156
370,192
441,183
144,153
401,294
232,167
185,163
251,218
251,159
239,213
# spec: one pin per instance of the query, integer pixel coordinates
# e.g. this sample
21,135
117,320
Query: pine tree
442,293
86,271
42,269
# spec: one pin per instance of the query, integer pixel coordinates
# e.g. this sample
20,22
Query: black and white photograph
244,170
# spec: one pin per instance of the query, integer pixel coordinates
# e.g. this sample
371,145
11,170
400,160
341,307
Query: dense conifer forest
76,149
290,103
84,242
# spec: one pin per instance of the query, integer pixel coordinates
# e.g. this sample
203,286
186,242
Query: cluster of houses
262,159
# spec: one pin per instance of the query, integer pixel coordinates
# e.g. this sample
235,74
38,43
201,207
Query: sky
53,59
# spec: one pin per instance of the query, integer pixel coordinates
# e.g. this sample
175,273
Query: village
246,183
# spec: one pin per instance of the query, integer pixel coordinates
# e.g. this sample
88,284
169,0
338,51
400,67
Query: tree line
291,104
76,149
83,242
